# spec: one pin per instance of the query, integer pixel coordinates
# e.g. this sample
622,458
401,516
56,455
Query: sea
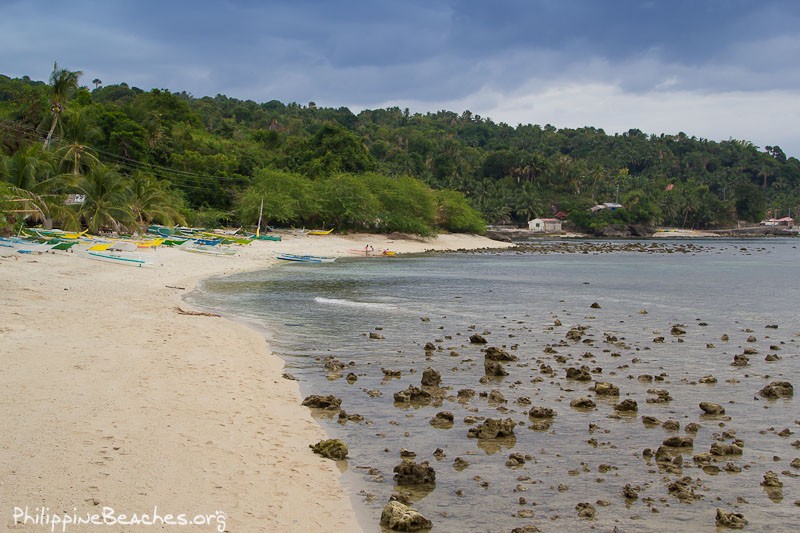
670,323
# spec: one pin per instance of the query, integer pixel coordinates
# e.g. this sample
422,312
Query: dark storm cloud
425,54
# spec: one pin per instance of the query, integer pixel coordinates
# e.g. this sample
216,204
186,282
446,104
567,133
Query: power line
131,164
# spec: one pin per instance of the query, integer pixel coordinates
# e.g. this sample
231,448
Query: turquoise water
514,299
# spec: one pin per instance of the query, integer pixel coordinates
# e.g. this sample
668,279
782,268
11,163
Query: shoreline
115,400
754,232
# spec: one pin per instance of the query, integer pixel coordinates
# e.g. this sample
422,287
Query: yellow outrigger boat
320,232
150,243
100,247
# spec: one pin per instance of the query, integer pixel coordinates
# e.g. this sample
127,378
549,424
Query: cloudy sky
716,69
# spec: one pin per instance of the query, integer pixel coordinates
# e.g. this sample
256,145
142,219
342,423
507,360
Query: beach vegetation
173,158
454,213
104,202
15,203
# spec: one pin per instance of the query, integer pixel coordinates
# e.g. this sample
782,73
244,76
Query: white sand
112,399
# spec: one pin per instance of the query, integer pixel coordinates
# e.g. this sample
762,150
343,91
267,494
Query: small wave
352,303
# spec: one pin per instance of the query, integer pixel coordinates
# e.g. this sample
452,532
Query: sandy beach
113,402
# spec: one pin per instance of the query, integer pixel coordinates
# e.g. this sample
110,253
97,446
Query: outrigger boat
111,257
263,237
12,245
320,232
226,238
53,233
203,246
306,258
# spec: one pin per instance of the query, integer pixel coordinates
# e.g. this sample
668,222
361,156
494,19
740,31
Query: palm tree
27,168
63,83
105,199
76,157
35,170
97,82
17,204
527,202
151,199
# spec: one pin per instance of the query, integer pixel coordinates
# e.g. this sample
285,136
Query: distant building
785,221
611,206
75,199
544,225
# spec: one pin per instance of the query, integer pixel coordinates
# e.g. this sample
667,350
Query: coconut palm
76,157
152,200
34,170
105,202
28,168
63,83
17,204
528,201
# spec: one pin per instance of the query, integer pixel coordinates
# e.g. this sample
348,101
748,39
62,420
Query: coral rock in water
777,389
412,394
332,449
712,408
399,517
492,428
322,402
412,473
498,354
731,520
431,377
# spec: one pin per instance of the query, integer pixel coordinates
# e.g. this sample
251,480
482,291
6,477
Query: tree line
137,157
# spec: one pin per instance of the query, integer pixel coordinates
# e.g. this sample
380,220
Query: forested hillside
156,156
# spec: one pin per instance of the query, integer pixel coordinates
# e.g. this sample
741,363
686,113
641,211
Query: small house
544,225
785,221
611,206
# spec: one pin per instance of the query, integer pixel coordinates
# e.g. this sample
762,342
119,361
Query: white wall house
544,225
785,221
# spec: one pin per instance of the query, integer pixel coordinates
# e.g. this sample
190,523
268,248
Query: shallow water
710,288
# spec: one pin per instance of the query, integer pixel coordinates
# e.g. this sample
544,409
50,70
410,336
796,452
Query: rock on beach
399,517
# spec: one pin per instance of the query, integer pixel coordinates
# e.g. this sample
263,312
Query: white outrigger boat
202,246
306,258
120,258
12,245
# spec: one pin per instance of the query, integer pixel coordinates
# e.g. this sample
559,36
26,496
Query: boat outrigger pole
260,212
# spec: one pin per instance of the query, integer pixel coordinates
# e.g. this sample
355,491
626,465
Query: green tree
18,204
76,155
334,149
641,207
152,201
453,213
27,168
63,84
347,202
406,204
528,202
750,202
288,199
106,200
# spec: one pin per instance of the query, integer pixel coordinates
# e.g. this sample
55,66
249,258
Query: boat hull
305,258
